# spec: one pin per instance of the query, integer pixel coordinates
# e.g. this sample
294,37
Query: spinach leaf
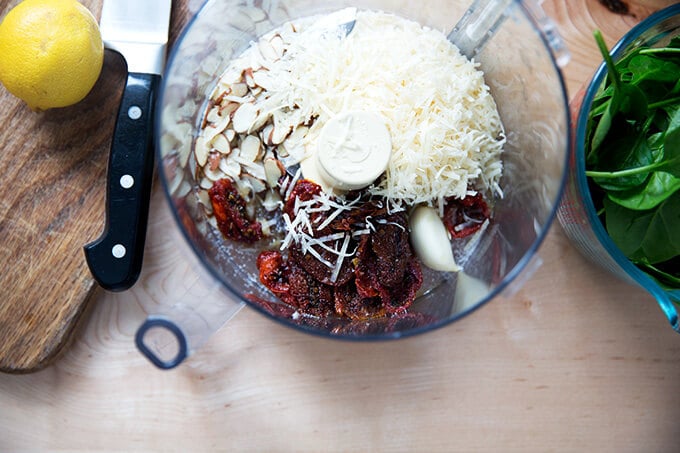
633,157
604,125
671,146
626,99
676,87
627,159
659,186
646,68
637,159
651,236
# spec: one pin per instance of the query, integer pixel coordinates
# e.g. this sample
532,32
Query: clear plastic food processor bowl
516,47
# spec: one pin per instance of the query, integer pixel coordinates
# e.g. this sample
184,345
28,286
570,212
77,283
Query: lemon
51,52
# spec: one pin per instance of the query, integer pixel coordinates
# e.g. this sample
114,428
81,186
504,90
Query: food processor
519,51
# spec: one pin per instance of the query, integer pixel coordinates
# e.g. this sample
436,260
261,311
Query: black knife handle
115,259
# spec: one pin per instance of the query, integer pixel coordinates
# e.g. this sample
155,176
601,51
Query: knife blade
138,30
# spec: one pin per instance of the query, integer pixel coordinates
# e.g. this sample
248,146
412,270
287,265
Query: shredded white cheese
446,132
341,257
300,230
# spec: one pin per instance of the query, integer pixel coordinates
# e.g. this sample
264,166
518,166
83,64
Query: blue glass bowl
577,213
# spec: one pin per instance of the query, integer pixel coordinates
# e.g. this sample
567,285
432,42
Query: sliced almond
260,120
280,133
273,170
214,115
267,50
293,144
262,79
266,229
248,77
223,86
230,77
211,174
220,91
212,129
175,183
182,189
255,169
239,89
257,184
168,143
221,144
299,134
287,32
277,44
231,168
227,108
244,117
181,131
204,198
186,111
205,183
183,152
230,134
272,200
245,189
250,148
201,151
239,99
282,150
266,134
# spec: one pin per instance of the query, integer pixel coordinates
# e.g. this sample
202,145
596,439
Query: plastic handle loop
159,322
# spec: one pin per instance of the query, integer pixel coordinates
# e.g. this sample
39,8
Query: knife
138,30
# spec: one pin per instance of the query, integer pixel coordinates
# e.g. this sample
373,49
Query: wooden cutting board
52,192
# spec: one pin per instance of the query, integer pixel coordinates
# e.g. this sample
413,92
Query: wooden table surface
574,361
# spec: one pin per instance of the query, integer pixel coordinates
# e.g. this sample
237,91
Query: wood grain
574,361
53,190
53,165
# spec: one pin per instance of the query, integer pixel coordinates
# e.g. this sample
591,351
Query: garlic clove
430,240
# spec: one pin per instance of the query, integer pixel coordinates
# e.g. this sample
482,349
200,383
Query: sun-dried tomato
403,295
390,244
319,270
350,304
462,217
366,279
310,295
305,190
229,208
381,279
293,285
385,266
273,272
356,217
